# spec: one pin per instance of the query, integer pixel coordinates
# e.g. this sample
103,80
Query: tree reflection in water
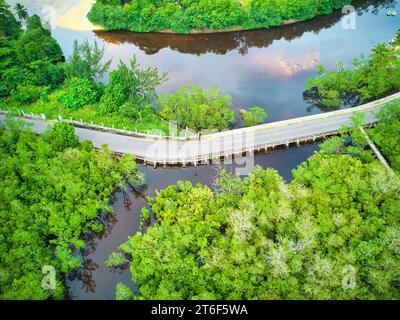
242,41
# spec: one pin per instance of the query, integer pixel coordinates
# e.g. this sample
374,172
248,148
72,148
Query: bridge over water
229,143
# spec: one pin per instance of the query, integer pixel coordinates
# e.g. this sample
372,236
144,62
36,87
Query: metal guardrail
92,126
206,158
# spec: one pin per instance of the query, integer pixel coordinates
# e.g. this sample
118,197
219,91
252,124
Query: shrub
80,92
26,93
197,108
37,44
254,116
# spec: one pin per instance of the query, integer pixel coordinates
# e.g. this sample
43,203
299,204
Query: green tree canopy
367,78
86,61
254,116
130,89
9,26
197,108
52,191
37,44
330,234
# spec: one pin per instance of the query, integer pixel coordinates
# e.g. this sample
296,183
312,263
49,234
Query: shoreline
216,31
76,19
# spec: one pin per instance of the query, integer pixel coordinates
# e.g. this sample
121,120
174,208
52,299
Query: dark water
266,67
95,280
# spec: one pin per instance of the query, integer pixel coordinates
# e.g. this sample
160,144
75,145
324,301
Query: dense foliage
9,26
33,80
29,60
367,79
52,189
33,73
130,91
86,61
387,132
332,233
253,116
197,108
187,15
81,92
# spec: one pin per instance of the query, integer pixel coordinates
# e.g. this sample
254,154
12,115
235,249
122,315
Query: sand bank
76,19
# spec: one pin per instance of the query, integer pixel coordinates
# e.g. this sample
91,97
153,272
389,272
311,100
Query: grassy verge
52,107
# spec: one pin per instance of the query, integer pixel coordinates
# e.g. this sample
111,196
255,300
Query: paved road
229,142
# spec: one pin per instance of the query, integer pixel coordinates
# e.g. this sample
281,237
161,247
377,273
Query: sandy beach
76,19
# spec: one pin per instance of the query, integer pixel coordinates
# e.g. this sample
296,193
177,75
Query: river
263,67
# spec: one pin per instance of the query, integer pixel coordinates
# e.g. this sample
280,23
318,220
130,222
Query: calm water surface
265,67
95,280
268,68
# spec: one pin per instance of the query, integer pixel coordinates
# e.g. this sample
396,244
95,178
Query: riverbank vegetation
35,77
329,234
53,190
387,132
366,79
253,116
184,16
197,108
